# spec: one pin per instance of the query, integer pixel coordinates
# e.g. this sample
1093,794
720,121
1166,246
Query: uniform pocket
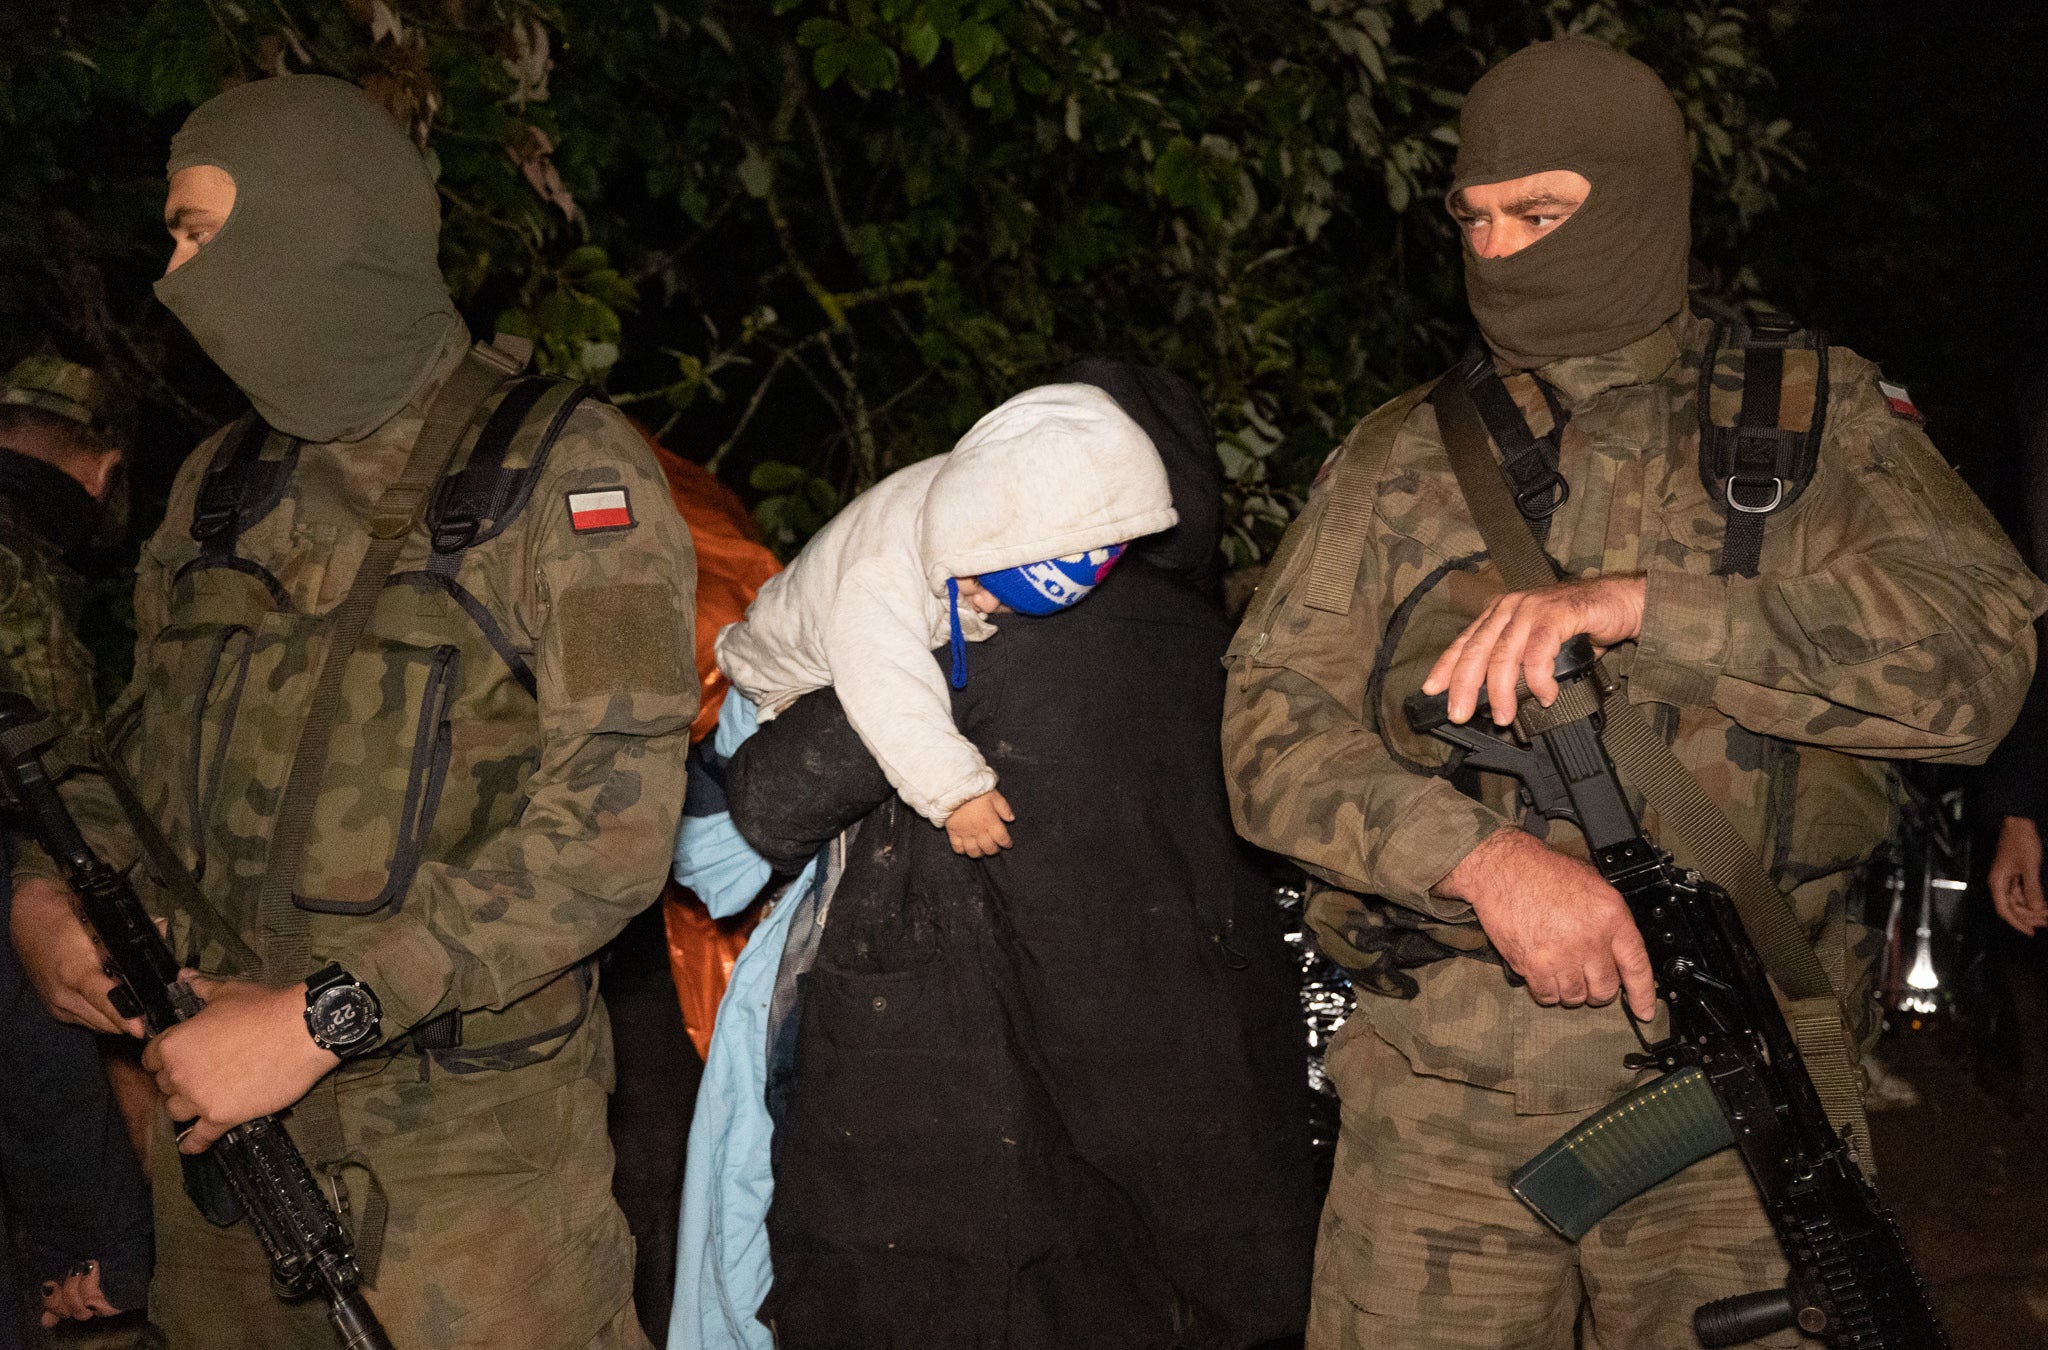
386,767
201,672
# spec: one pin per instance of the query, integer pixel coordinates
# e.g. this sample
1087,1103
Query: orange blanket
732,562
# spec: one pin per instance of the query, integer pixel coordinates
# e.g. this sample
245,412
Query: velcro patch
620,638
1899,401
600,509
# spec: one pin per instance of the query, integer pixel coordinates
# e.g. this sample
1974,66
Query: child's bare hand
976,825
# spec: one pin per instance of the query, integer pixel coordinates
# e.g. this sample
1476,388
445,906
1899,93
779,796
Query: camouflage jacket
40,599
1891,619
507,771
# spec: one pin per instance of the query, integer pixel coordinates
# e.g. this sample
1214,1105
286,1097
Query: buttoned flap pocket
387,763
1851,613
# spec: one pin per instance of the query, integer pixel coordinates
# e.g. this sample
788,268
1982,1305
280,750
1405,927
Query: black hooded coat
1054,1098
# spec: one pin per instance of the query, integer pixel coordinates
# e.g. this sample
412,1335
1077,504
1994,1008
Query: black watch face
341,1019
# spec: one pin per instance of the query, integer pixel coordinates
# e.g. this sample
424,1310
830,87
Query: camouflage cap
68,390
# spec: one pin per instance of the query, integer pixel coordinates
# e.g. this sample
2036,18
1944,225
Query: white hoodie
1057,470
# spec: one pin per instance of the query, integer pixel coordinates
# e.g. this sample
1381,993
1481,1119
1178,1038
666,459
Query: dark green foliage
812,240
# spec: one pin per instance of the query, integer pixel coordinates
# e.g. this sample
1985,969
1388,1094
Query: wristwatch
342,1014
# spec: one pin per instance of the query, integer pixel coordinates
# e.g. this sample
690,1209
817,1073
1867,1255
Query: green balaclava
321,296
1616,270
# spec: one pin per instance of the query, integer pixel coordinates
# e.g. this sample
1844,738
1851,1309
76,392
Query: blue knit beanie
1035,588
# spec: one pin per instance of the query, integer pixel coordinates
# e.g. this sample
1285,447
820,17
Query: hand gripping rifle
1732,1073
266,1178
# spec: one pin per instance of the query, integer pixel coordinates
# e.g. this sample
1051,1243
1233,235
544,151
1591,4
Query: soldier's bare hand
2016,876
61,959
976,827
1556,921
1518,635
246,1054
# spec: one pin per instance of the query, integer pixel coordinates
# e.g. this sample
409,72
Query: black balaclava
321,296
1616,270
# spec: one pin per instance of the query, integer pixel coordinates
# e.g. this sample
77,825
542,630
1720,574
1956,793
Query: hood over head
321,297
1056,470
1172,414
1615,271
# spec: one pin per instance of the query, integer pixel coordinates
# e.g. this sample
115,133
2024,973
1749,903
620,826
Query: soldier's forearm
1310,783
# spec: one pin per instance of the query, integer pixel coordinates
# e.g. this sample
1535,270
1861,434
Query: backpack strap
1763,399
243,485
476,501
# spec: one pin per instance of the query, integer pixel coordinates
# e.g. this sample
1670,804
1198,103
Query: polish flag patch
1899,401
602,509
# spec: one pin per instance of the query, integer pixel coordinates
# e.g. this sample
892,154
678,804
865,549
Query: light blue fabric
722,1269
711,858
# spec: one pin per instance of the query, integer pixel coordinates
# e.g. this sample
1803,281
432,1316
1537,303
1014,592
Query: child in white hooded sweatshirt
1026,512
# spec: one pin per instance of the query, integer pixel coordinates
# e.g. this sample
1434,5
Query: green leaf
775,476
921,42
754,173
1177,173
974,45
821,32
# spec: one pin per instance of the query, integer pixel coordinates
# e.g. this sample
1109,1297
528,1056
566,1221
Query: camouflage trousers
502,1235
1423,1247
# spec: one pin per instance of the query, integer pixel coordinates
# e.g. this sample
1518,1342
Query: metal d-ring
1557,486
1777,496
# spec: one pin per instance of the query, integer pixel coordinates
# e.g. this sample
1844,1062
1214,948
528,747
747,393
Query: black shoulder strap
1530,461
1759,461
243,485
476,501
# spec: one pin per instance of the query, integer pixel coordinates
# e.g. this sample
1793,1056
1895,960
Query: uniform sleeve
1308,774
91,801
610,612
895,695
39,658
1908,633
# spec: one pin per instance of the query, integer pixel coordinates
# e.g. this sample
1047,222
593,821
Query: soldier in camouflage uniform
1889,618
66,1167
503,781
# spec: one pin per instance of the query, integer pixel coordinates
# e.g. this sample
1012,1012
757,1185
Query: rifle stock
254,1170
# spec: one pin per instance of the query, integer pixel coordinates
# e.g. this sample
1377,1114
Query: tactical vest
439,728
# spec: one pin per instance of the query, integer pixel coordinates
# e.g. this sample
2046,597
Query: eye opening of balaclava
1616,270
321,295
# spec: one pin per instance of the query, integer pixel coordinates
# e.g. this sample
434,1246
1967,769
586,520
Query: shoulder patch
600,509
1899,401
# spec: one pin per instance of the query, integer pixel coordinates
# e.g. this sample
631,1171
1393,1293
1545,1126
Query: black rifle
266,1178
1853,1285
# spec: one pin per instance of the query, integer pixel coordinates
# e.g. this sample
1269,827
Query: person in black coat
1055,1097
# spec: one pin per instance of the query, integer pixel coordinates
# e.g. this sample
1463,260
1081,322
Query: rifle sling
285,927
1697,824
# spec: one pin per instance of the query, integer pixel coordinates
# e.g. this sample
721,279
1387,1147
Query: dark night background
1915,233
